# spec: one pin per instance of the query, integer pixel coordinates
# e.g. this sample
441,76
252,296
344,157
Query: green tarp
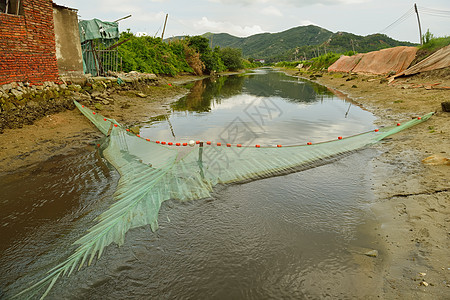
96,29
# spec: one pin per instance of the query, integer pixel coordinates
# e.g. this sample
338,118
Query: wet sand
412,198
411,180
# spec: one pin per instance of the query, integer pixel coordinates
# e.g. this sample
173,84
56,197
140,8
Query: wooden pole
18,6
122,19
164,29
418,21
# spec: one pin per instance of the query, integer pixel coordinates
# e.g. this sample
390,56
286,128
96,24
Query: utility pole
418,21
164,29
353,46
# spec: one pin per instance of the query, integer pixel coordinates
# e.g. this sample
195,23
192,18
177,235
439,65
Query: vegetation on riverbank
319,63
192,55
432,43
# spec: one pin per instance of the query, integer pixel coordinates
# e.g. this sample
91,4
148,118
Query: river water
291,236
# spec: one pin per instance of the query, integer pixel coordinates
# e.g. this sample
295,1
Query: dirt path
413,197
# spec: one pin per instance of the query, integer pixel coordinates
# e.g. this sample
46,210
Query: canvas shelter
98,39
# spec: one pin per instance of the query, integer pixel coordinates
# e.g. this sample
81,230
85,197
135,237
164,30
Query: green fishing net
152,173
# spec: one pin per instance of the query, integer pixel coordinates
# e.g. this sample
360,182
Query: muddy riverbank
59,133
411,179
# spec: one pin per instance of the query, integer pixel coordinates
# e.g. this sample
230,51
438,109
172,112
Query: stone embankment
22,104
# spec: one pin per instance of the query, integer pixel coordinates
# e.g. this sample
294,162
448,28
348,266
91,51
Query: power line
435,15
435,12
400,20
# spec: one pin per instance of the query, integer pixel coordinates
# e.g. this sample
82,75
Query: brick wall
27,45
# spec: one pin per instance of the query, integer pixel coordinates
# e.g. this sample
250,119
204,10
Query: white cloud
206,25
271,11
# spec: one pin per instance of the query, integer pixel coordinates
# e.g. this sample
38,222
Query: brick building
27,42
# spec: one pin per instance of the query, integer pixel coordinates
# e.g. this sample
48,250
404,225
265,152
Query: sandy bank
412,197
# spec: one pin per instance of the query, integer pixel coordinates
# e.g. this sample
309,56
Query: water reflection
266,107
277,84
205,94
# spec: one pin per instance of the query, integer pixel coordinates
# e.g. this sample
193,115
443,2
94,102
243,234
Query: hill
303,41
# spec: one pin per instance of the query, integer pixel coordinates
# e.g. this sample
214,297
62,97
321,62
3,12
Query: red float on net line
157,142
257,146
228,145
163,143
398,124
376,130
98,145
219,144
239,145
185,144
82,105
178,144
197,142
104,119
279,146
339,137
128,130
93,112
148,140
308,143
115,125
170,143
419,118
138,135
208,143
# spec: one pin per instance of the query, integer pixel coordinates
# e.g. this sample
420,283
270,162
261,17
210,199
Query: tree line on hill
303,42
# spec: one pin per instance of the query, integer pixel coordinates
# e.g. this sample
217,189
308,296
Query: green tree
232,58
211,58
427,37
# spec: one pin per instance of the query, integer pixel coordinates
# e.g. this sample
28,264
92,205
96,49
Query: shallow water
284,237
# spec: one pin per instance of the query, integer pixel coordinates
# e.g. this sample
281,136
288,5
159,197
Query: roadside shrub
151,55
432,43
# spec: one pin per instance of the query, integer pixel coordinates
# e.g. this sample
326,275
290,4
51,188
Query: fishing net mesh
152,173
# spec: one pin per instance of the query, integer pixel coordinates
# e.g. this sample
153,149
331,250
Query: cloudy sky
247,17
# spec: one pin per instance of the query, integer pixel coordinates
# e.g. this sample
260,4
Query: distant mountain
309,41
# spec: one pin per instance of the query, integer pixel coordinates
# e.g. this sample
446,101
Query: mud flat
411,179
